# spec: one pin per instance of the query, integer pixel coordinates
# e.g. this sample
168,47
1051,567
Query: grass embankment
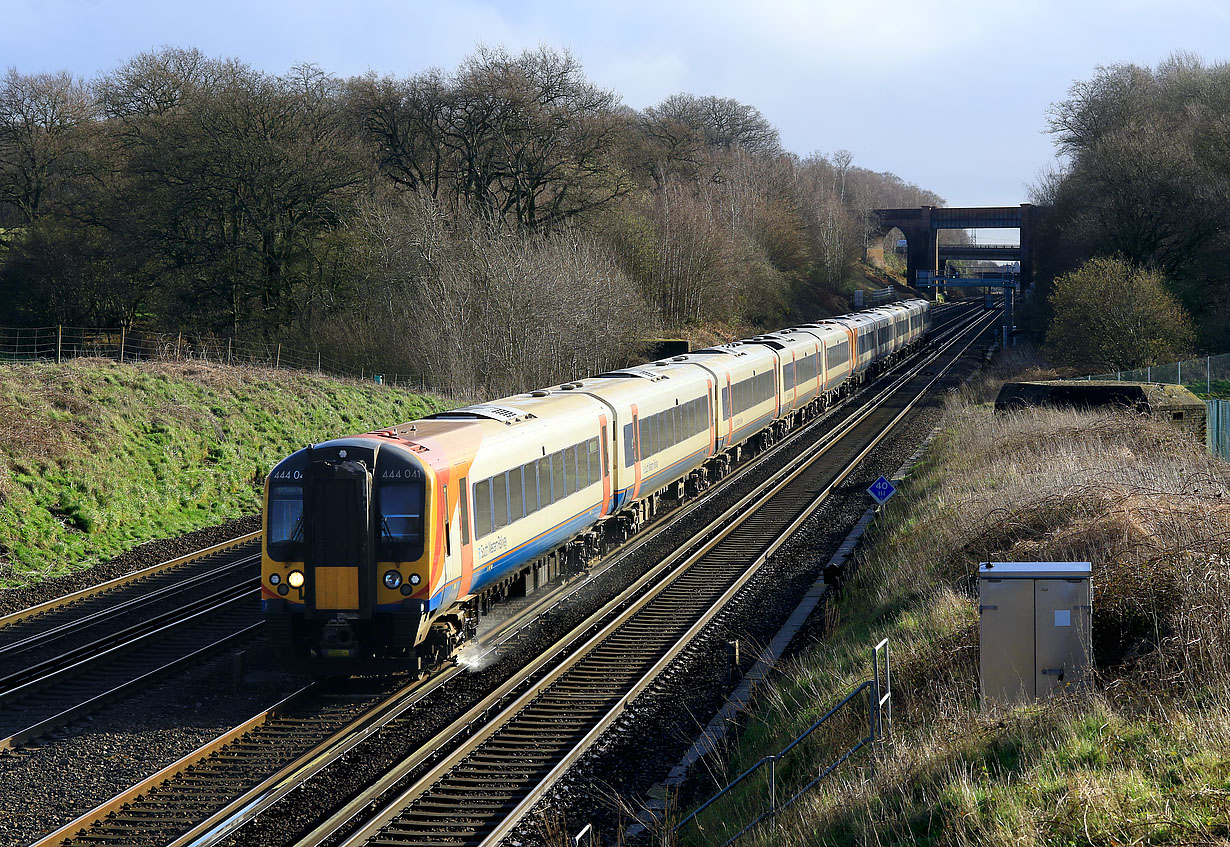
1143,756
98,457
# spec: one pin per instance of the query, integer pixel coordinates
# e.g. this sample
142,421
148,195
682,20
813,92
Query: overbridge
921,228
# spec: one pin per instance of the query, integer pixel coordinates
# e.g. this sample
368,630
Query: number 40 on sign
881,490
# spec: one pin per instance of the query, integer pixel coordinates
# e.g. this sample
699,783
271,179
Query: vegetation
1147,178
467,227
1142,757
98,457
1111,316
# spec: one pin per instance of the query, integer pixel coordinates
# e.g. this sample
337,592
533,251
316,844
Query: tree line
1140,213
505,224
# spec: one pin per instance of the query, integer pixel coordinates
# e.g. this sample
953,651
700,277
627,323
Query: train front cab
346,564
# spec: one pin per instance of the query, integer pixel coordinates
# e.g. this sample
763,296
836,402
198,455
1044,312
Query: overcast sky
948,94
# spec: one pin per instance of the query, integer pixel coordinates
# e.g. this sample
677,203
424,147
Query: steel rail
536,794
129,637
268,791
59,631
227,601
430,782
125,579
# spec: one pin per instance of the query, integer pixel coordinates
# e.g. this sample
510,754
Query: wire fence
1205,375
59,343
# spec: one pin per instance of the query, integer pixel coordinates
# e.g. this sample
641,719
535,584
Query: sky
947,94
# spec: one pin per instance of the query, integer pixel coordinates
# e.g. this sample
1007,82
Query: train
381,551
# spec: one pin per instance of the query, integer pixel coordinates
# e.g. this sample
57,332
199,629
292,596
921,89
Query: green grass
98,457
1142,757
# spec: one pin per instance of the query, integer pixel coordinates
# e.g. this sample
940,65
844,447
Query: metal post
773,785
59,341
122,337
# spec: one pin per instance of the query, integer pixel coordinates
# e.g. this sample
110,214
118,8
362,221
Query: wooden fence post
59,341
123,334
277,363
318,363
228,350
178,338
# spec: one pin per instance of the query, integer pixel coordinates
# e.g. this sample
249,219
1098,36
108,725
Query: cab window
401,513
285,520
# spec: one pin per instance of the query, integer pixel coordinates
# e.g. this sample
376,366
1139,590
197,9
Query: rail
879,728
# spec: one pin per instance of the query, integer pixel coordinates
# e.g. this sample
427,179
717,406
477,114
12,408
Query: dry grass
1143,757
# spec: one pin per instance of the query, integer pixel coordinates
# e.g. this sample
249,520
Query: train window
689,418
788,376
516,495
671,420
285,520
401,513
646,435
544,482
595,472
529,472
570,470
465,513
499,499
629,446
482,508
558,476
579,468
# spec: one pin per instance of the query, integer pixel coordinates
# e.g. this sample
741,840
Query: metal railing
879,728
58,343
1202,375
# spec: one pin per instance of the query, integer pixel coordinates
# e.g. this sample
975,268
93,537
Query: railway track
72,655
308,731
480,791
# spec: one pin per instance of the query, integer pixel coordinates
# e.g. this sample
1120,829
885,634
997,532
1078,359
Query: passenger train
381,550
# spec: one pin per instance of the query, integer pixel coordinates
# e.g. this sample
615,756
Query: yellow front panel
337,588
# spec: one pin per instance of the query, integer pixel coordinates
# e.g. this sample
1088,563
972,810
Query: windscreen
285,519
401,513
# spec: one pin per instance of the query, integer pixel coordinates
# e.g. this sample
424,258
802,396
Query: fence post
1148,373
318,363
59,341
228,350
123,334
773,785
178,340
277,363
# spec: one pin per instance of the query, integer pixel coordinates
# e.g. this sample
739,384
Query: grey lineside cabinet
1034,622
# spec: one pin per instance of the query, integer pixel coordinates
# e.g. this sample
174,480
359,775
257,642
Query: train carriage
381,550
747,395
663,431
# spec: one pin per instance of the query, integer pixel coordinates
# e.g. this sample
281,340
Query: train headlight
415,579
274,579
392,579
295,579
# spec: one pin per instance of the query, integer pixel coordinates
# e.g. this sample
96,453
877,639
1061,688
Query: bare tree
44,119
